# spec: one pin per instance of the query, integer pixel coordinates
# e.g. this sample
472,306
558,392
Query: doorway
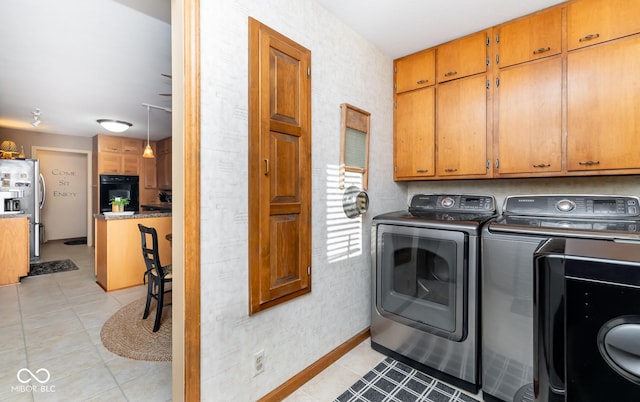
66,174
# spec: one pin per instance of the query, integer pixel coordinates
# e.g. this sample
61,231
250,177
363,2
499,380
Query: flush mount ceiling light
36,118
115,126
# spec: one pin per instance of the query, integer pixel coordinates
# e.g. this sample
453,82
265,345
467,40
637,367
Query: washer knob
565,205
448,202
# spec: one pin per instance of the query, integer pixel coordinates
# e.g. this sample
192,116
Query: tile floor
338,377
53,322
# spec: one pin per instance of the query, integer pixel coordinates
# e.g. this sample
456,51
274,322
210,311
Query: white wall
500,188
345,68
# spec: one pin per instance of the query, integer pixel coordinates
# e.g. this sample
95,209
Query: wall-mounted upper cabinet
414,135
415,71
462,57
595,21
529,38
602,107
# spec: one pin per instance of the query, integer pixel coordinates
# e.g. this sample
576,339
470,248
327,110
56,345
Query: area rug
392,380
51,267
78,240
126,334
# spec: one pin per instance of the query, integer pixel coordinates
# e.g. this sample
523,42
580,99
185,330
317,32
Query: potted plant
118,203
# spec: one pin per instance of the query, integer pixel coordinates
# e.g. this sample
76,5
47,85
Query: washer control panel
453,202
581,206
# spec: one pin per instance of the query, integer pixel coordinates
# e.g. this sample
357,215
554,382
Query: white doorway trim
34,153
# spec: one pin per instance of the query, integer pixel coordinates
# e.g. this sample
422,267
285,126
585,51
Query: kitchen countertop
136,215
20,214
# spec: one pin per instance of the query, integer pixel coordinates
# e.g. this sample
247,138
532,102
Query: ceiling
79,61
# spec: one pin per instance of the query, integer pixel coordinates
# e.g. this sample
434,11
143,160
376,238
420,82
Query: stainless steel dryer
425,285
508,245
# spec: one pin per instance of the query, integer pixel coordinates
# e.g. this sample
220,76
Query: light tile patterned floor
53,322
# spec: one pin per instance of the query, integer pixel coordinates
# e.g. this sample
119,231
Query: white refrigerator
23,178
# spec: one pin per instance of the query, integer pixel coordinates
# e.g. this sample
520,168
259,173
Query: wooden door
530,38
461,127
462,57
529,118
595,21
279,168
414,141
603,119
415,71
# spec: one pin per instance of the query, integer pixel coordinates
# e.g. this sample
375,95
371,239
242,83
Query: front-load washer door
421,279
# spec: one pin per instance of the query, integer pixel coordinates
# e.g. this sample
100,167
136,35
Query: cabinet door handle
541,50
266,167
451,170
450,73
589,37
422,82
541,165
589,163
422,170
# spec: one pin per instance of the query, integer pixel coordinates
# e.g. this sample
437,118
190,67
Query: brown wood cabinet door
163,171
603,118
530,117
461,127
416,71
149,171
595,21
131,146
108,143
414,141
109,163
280,168
530,38
462,57
131,164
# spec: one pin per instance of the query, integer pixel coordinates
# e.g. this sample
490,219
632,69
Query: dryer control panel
572,205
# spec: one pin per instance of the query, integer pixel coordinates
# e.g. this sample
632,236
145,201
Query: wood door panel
285,161
279,168
415,71
414,134
461,126
594,21
531,38
603,123
462,57
284,84
530,118
284,275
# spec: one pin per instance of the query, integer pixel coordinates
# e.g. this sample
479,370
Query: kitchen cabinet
462,57
118,256
14,248
594,21
117,155
415,71
529,118
163,164
414,134
529,38
602,112
461,127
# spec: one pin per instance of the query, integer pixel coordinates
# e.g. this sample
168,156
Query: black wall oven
119,186
425,285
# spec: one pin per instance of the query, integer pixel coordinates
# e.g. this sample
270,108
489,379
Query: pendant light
148,152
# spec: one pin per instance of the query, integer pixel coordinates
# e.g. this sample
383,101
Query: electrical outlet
258,362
